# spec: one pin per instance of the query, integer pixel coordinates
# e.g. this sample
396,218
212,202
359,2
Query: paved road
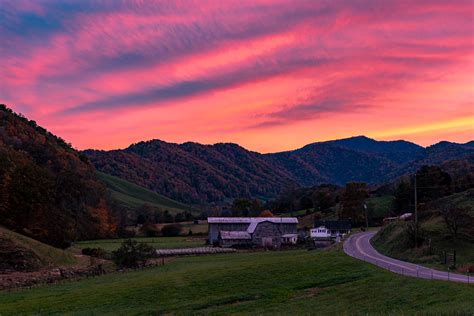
358,246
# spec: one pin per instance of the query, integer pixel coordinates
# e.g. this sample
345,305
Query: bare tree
454,217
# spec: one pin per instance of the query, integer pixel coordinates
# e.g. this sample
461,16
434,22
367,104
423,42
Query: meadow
156,242
132,196
279,282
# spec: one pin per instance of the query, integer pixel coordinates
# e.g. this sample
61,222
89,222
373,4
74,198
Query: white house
320,232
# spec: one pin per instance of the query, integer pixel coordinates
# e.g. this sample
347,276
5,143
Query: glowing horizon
267,75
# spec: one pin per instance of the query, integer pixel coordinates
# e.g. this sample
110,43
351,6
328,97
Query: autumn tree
246,207
266,213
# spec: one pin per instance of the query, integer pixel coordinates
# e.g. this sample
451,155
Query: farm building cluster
271,232
267,232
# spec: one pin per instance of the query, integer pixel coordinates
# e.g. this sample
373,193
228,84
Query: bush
466,268
94,252
125,233
132,254
171,230
150,230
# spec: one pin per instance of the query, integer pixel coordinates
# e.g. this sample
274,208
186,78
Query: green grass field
133,196
157,242
281,282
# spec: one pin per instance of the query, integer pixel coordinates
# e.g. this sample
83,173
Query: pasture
279,282
156,242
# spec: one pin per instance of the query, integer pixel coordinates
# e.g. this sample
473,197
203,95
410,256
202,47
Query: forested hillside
192,172
202,174
48,190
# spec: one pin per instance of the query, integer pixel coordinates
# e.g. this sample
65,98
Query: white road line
378,258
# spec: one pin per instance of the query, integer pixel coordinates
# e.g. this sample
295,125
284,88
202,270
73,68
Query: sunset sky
268,75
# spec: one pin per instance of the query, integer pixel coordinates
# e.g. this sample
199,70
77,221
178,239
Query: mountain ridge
197,173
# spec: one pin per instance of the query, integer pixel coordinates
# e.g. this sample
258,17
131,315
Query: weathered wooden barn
268,232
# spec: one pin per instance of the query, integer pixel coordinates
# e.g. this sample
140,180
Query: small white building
320,232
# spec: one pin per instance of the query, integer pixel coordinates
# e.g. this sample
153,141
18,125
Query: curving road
358,246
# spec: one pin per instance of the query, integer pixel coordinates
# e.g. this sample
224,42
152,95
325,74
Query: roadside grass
280,282
133,196
392,241
110,245
49,256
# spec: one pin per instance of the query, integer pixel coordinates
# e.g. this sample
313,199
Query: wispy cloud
257,66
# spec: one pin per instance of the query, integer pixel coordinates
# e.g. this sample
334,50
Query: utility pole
416,215
366,217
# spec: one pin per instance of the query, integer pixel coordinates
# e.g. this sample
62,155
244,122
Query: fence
409,269
193,251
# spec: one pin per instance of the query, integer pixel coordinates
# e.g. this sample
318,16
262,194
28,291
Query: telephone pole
366,217
416,215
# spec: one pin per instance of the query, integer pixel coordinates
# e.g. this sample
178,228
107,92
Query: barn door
267,242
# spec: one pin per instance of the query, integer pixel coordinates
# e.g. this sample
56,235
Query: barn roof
250,220
235,235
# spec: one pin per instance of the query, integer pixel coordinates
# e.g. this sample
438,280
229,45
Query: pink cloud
279,66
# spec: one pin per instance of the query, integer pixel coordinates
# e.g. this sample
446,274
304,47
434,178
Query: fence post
431,274
417,273
402,271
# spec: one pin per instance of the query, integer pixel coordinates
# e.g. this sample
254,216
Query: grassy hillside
393,241
133,196
380,206
301,281
29,253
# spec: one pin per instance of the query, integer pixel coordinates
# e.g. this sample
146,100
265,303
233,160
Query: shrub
150,230
466,268
132,254
94,252
171,230
125,233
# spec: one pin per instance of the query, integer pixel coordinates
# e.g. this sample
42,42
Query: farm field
133,196
156,242
297,281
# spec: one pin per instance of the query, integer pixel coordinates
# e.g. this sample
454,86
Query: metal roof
250,220
235,235
289,235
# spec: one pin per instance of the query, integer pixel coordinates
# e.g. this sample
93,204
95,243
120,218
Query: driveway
358,246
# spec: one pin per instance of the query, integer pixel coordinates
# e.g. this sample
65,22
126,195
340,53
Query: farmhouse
268,232
333,228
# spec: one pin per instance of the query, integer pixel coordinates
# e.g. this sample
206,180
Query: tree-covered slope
201,174
48,190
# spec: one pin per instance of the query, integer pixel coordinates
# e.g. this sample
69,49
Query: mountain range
202,174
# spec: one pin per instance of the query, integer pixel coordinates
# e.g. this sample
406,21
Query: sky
268,75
